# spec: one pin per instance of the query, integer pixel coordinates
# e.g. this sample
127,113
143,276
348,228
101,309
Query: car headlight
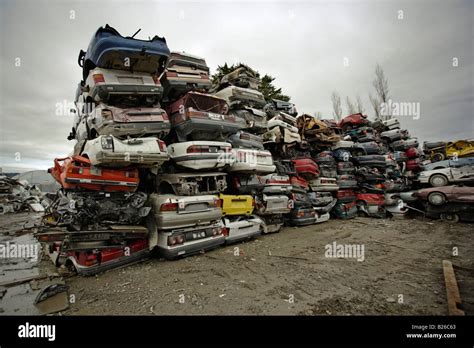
107,143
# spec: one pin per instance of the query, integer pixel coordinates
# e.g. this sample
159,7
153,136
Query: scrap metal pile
165,160
19,195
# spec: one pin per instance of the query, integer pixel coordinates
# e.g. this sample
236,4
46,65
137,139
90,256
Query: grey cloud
302,44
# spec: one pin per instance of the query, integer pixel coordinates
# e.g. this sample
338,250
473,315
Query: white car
323,184
134,121
105,84
280,131
321,217
278,184
343,144
252,161
202,154
108,151
446,176
190,241
272,223
273,204
237,97
242,228
391,123
173,212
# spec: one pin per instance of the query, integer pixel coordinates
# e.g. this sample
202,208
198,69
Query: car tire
437,198
450,217
438,180
438,157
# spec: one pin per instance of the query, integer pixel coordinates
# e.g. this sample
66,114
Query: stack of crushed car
164,160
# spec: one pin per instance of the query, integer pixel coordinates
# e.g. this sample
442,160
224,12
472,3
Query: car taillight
156,80
176,239
90,260
107,114
225,231
129,174
76,170
218,230
197,149
98,78
300,214
162,145
217,203
169,207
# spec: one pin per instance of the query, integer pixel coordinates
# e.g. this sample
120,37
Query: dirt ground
288,273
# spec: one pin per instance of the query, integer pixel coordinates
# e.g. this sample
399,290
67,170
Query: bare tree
359,104
318,115
375,104
351,108
380,84
336,105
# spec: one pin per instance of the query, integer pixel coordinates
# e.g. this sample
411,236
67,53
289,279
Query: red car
353,121
412,153
346,195
93,261
78,173
371,198
306,167
413,165
371,204
443,194
299,184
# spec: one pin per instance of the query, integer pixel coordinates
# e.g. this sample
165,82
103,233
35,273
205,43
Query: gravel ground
288,274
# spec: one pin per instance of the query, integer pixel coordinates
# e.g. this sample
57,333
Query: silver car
446,176
175,212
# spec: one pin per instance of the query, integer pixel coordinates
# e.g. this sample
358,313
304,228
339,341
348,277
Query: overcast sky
303,44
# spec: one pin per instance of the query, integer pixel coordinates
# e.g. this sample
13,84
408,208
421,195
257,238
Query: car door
463,194
466,173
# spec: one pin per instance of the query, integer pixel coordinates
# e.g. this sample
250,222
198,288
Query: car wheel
437,198
438,157
450,217
437,180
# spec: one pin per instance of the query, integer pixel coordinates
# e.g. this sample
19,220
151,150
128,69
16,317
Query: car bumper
302,221
173,220
322,218
191,248
91,270
236,236
206,126
124,159
324,188
207,161
102,91
252,168
134,128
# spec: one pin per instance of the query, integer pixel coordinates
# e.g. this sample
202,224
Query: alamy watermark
408,109
345,251
19,251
